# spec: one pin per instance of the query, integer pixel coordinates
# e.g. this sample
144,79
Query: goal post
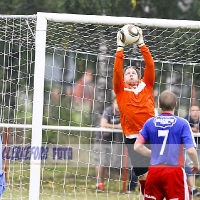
113,20
55,82
38,100
44,18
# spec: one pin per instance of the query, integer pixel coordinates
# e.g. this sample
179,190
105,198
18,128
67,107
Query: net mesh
178,45
78,87
93,46
17,49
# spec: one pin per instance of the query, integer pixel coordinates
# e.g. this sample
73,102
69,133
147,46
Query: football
129,34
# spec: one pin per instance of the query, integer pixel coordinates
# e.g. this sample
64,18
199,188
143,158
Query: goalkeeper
135,100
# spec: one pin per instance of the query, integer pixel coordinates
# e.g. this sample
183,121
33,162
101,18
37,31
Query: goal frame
40,45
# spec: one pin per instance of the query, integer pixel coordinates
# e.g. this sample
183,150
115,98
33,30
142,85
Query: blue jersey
168,134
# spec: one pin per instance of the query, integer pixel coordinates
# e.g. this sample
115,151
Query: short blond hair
167,100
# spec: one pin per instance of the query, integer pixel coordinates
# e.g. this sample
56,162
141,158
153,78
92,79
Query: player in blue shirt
2,174
168,135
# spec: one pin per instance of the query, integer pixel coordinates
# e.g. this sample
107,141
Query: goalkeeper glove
140,41
120,44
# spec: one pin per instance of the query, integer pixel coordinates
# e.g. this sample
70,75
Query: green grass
66,183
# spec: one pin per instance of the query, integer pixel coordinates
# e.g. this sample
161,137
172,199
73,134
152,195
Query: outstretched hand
120,44
140,41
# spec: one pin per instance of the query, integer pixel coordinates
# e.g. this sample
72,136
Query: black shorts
139,162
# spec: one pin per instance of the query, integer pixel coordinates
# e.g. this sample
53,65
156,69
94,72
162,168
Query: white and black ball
129,34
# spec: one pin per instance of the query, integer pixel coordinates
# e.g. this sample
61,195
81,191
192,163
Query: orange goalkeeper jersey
135,105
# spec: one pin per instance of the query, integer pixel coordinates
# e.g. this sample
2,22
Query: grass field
65,183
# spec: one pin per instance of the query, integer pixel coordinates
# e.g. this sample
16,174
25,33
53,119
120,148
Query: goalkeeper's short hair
133,67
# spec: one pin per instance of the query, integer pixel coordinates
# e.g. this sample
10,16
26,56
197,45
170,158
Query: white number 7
163,133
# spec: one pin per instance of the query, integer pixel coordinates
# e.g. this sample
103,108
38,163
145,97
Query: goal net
56,81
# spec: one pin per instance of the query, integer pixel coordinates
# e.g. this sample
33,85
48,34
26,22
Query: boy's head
132,75
194,113
167,101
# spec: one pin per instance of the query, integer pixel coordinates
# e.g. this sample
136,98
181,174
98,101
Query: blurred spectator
84,89
193,118
3,172
106,146
53,102
82,98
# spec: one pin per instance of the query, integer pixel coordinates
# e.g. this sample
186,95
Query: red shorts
166,181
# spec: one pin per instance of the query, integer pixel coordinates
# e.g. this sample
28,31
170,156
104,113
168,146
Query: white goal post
42,22
44,56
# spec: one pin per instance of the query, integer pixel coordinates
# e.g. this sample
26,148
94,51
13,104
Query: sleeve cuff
120,48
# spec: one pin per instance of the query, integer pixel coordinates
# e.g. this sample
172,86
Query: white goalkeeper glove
140,41
120,44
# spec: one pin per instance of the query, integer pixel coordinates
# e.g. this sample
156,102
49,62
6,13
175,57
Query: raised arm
118,75
118,78
149,71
